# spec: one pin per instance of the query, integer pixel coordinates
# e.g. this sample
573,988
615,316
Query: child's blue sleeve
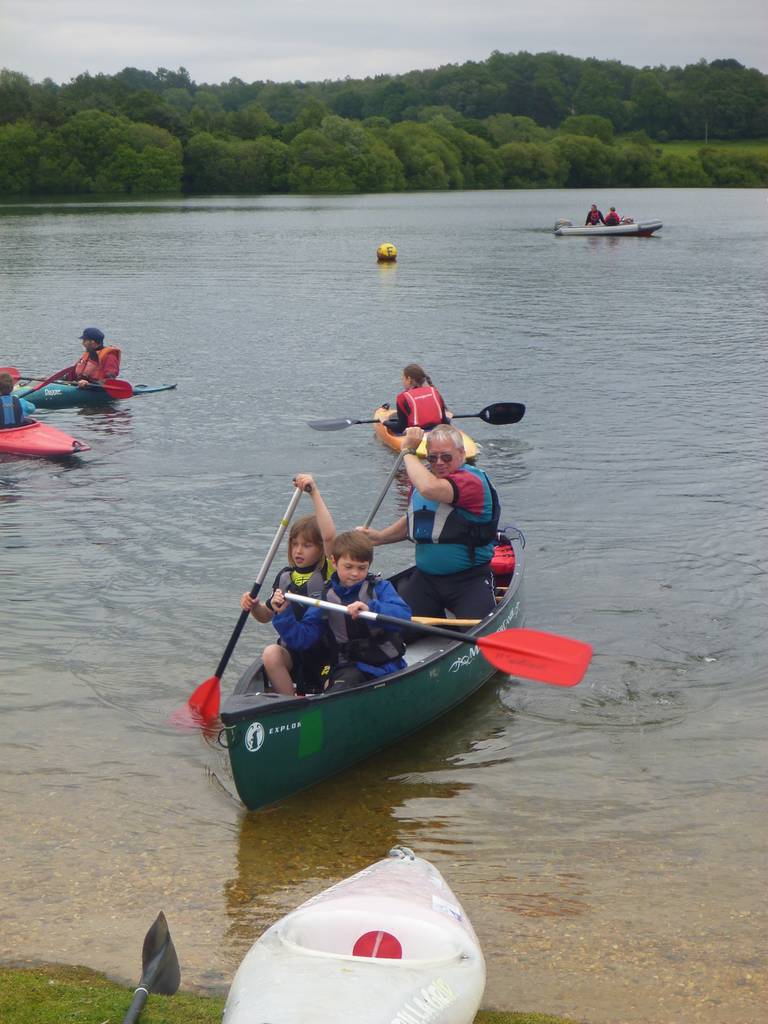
387,601
26,407
299,635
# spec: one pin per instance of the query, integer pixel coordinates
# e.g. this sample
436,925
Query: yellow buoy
386,253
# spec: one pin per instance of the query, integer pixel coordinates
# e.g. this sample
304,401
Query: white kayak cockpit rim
332,933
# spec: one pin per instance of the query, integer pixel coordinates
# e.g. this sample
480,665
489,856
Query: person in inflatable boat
594,216
612,218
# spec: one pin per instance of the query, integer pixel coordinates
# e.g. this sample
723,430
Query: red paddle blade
117,388
13,372
545,657
206,698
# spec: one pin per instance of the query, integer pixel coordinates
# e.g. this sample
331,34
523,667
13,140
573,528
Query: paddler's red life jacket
593,217
424,405
91,365
612,218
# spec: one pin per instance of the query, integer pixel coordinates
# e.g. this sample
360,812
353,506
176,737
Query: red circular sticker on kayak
382,945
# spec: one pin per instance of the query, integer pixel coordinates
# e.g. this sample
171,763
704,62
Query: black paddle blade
159,963
503,412
333,424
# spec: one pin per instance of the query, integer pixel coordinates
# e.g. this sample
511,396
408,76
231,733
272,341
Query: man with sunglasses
453,515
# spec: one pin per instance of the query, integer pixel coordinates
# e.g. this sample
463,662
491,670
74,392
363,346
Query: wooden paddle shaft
428,620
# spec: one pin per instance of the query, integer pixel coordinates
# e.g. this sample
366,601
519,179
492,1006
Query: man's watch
409,451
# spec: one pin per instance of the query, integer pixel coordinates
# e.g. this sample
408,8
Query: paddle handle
140,997
391,620
385,488
259,580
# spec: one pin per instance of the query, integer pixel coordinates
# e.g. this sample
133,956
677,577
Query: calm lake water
608,841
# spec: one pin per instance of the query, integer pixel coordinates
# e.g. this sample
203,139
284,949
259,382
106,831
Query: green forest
515,120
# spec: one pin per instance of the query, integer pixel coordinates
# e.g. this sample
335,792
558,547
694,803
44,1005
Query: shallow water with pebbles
607,841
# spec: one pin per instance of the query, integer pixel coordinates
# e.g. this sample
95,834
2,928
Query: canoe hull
38,439
278,746
427,964
643,229
395,441
65,396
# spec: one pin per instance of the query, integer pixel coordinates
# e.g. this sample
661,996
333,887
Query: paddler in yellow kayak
419,404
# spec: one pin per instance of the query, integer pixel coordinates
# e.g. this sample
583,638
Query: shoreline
47,992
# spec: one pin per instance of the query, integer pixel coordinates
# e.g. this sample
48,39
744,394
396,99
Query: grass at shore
53,994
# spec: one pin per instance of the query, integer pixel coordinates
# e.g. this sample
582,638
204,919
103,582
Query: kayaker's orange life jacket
91,365
424,405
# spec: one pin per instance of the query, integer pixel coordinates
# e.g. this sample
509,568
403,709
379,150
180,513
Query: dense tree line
512,121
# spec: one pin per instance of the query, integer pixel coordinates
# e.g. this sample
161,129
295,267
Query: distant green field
689,147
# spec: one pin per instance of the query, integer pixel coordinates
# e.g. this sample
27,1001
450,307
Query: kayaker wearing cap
453,516
98,362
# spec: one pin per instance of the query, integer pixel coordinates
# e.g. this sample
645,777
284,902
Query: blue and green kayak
279,745
63,395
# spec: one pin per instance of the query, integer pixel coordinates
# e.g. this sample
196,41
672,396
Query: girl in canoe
419,404
309,569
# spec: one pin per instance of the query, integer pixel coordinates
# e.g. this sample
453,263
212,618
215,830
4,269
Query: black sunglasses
443,456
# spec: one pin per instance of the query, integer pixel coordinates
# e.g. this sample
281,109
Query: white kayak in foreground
645,228
390,945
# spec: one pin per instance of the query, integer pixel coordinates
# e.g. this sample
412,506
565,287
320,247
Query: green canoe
61,395
278,746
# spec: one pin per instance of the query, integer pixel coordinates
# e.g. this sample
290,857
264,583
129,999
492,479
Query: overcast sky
307,40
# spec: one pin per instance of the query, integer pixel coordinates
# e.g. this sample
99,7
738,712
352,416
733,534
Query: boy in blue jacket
361,649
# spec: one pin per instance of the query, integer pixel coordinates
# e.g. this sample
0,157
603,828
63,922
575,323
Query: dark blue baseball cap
92,334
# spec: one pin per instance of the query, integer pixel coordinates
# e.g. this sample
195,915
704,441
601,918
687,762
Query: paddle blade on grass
160,964
545,657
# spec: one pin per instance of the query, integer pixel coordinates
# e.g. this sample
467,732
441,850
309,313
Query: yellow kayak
395,441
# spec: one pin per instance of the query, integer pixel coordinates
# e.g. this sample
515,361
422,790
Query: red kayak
35,438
